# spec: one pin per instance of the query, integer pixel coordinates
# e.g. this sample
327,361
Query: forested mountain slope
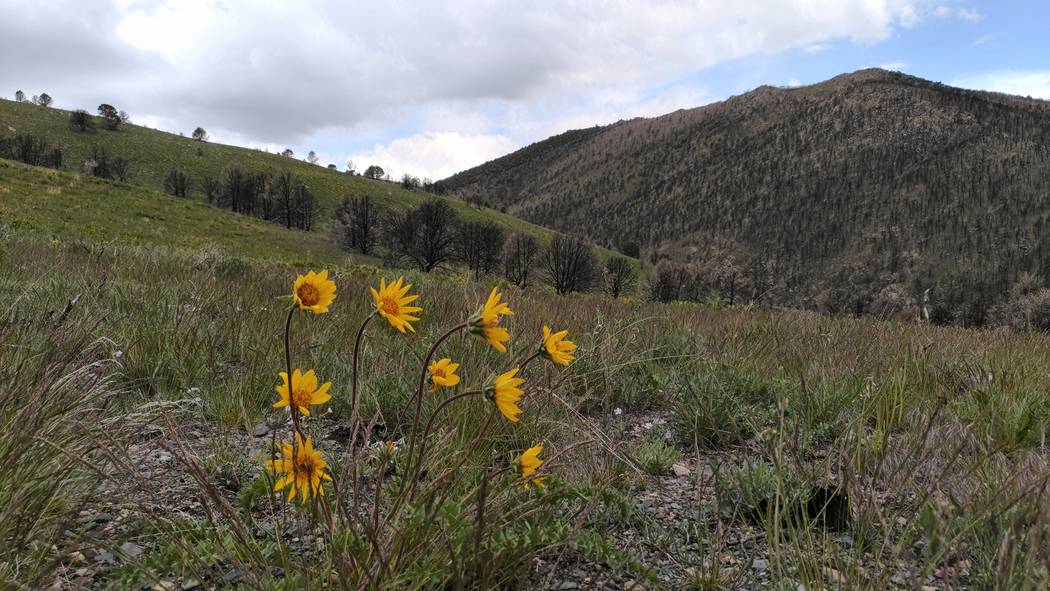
854,195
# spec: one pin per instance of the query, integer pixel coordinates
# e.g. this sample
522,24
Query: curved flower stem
355,419
413,467
297,432
470,450
418,464
422,381
528,360
354,378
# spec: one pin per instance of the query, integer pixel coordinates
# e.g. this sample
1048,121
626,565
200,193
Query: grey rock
131,550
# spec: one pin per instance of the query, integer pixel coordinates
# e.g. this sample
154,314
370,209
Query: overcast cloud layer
416,87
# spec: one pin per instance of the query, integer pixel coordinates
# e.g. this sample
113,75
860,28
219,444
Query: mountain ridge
845,188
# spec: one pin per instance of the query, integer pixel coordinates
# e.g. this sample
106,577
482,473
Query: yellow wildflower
303,468
556,347
504,392
392,303
314,292
529,462
485,321
304,392
443,373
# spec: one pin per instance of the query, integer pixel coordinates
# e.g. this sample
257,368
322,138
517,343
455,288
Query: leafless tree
424,235
355,223
478,244
177,183
519,253
620,276
570,264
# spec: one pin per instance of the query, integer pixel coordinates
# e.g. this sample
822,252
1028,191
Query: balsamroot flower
314,292
303,393
303,468
529,462
392,303
485,321
443,374
504,392
556,347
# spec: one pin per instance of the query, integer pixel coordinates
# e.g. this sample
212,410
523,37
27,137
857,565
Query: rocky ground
668,536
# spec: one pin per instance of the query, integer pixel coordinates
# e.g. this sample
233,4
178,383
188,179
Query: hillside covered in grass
70,206
152,154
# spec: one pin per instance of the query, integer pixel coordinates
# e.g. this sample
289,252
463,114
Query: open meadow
684,448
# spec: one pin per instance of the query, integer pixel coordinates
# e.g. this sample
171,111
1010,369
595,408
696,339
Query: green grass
127,308
936,436
153,153
72,206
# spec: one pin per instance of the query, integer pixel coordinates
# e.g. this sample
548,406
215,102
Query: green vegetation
881,454
153,154
688,446
75,206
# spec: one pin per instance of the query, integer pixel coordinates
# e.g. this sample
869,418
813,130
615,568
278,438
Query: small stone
76,557
189,584
566,586
834,576
261,429
131,550
82,572
632,585
760,564
165,586
106,557
681,469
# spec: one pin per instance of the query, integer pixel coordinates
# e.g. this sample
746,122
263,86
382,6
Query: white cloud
433,154
894,66
286,73
966,14
794,83
1035,84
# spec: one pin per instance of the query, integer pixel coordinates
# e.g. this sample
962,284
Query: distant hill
854,195
152,154
67,206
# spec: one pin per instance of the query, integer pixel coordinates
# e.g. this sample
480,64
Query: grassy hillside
152,154
74,206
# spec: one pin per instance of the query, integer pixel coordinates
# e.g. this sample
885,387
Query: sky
431,88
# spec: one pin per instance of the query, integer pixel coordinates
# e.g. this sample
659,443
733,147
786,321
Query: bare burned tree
281,192
240,190
570,264
478,244
355,223
518,255
620,276
424,235
212,189
669,283
177,183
